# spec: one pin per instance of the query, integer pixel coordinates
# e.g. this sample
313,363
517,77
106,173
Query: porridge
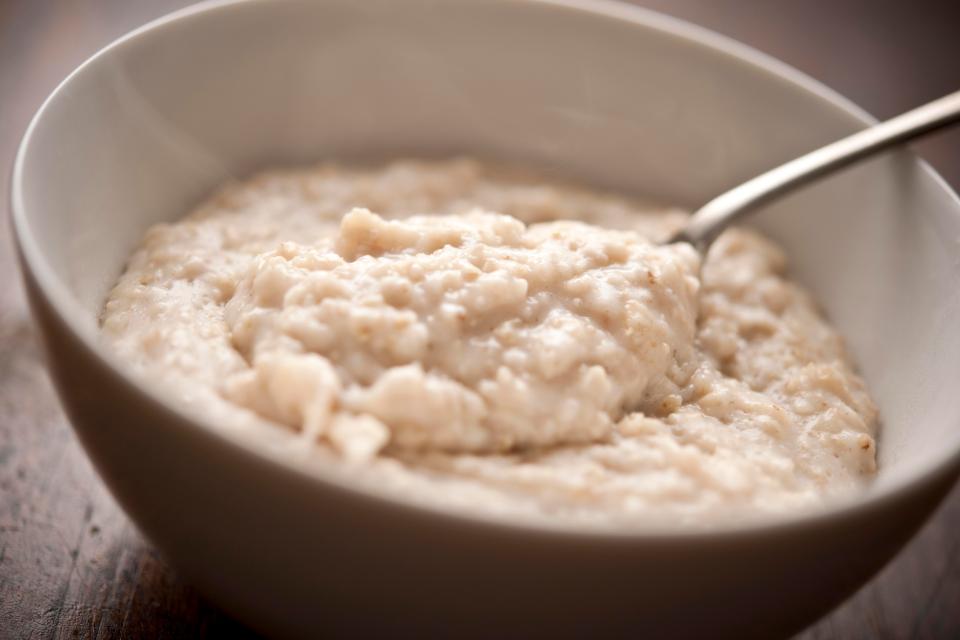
478,338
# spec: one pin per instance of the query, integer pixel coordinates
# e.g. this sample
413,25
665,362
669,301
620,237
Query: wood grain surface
72,565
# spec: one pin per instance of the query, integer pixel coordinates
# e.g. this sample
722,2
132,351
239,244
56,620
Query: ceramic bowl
614,96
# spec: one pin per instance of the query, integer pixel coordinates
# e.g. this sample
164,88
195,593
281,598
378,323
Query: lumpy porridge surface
480,338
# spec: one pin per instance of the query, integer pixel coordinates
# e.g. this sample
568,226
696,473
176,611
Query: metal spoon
715,216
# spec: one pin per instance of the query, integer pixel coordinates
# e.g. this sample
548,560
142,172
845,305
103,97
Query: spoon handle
715,216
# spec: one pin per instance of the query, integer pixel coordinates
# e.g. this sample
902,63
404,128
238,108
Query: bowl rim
69,312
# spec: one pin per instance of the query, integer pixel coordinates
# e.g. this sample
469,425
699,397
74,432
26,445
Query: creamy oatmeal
475,337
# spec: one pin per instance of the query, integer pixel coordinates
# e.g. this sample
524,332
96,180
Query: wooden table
71,564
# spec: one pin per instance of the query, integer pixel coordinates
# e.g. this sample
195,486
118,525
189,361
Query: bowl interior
612,96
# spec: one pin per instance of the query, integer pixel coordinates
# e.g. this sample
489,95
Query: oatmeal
478,338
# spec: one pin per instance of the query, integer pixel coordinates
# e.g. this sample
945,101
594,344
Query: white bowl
612,95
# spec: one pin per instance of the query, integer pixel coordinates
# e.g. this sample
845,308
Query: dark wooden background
71,564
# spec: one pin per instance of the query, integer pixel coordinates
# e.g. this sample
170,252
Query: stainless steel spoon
715,216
